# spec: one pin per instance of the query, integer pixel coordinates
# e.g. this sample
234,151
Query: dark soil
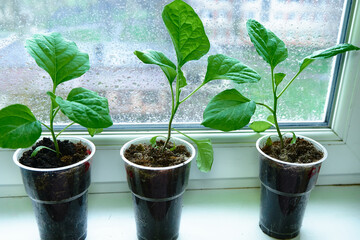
300,152
146,155
70,153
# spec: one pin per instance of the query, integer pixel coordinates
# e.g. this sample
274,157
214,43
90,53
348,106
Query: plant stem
171,117
169,127
277,127
172,99
275,108
54,140
174,105
276,97
53,113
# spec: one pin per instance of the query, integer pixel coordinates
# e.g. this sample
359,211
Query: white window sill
332,213
235,157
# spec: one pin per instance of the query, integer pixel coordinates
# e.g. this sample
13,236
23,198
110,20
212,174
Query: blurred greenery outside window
110,30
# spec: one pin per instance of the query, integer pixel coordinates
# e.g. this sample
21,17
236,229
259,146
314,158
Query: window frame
337,70
336,128
236,162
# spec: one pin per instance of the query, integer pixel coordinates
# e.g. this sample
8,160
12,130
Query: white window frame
236,163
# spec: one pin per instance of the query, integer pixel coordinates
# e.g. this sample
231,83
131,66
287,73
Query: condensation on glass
111,30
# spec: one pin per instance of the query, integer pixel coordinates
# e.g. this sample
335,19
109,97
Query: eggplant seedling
230,110
191,43
63,61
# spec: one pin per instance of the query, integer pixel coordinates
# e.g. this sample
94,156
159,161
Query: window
235,162
109,31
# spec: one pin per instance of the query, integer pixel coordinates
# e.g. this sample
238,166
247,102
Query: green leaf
205,155
293,140
18,127
33,154
224,67
327,53
57,56
269,142
53,99
182,79
158,58
153,140
305,62
86,108
229,110
271,48
278,78
173,148
186,31
260,126
93,131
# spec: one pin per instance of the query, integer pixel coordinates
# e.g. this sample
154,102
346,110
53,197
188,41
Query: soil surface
300,152
147,155
70,153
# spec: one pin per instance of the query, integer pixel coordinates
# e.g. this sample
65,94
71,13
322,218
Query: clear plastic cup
157,193
285,190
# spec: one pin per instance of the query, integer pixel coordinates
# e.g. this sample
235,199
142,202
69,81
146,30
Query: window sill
207,214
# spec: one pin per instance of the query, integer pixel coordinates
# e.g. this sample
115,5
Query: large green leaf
327,53
86,108
229,110
158,58
224,67
271,48
57,56
186,31
205,155
18,127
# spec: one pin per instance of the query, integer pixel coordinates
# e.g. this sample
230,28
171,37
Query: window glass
111,30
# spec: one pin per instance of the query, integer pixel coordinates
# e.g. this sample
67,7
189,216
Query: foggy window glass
111,30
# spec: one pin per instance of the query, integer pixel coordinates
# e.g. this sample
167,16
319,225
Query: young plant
63,61
229,108
191,43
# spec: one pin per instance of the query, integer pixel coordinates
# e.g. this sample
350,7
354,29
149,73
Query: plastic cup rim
316,144
126,145
22,150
